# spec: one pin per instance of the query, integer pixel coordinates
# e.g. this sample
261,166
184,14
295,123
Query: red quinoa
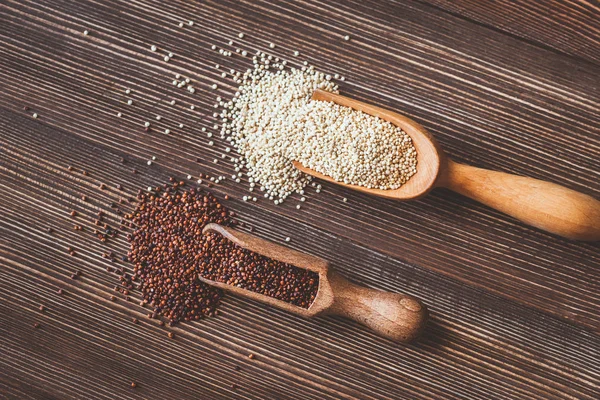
170,252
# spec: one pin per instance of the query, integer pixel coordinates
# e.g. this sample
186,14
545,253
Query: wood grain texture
478,345
569,26
514,310
531,115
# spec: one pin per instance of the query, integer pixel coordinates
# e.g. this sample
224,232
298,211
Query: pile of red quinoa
166,249
169,253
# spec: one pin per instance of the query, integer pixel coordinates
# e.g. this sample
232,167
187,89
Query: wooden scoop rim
324,297
429,153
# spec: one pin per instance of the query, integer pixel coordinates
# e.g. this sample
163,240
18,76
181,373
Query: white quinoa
272,121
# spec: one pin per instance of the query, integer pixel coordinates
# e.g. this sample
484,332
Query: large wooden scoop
545,205
392,315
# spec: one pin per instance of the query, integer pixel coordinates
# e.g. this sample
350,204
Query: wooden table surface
512,86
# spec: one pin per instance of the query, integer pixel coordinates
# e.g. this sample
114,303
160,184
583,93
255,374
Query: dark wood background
508,85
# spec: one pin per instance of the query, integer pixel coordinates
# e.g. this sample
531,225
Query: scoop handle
393,315
545,205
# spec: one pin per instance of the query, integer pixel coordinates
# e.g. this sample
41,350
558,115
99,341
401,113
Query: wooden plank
478,345
514,310
496,102
568,26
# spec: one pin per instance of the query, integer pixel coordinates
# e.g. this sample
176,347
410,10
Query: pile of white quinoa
272,121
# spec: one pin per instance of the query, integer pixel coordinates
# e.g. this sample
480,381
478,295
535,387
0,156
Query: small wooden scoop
396,316
545,205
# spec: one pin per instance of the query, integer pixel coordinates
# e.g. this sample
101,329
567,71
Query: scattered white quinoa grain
241,35
130,102
149,162
127,91
86,33
272,45
34,115
146,124
167,131
272,121
345,200
153,48
287,239
347,37
119,115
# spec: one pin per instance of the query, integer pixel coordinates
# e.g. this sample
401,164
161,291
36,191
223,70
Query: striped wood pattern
514,310
569,26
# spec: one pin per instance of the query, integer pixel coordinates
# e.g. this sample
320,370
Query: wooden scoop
392,315
545,205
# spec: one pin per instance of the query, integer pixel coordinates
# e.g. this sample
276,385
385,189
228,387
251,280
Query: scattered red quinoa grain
166,250
170,253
